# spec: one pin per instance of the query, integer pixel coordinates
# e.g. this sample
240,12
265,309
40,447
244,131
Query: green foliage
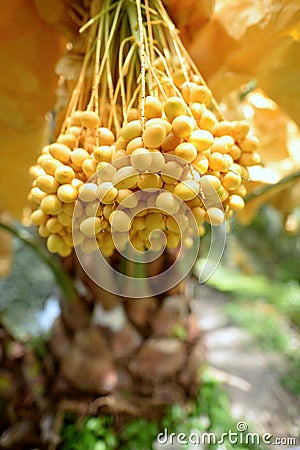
97,433
273,252
210,413
291,379
263,322
93,433
38,346
284,295
139,435
25,291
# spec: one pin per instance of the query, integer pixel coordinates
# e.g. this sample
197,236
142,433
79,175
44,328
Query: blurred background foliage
249,54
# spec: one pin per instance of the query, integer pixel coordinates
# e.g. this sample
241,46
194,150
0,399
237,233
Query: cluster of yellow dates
174,150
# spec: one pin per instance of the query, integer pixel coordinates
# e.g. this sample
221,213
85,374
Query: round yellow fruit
88,192
171,172
235,202
154,221
131,130
217,161
65,251
249,144
235,152
197,109
43,232
107,192
37,195
93,209
89,167
67,193
89,119
209,185
47,183
214,216
167,202
169,187
249,159
51,204
149,181
154,136
119,221
159,122
121,143
138,223
240,130
133,114
186,151
38,217
53,225
103,153
107,210
207,120
50,165
64,174
201,163
120,159
153,107
68,139
157,161
199,214
183,126
134,144
60,152
173,240
105,136
231,181
127,198
64,219
90,226
78,156
68,208
55,243
186,90
187,190
223,128
178,77
241,191
140,159
172,225
201,94
201,139
170,143
105,171
125,178
174,107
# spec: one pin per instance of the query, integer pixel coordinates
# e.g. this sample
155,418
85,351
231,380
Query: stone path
251,375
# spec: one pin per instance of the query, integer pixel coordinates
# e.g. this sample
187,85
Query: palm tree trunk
135,355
